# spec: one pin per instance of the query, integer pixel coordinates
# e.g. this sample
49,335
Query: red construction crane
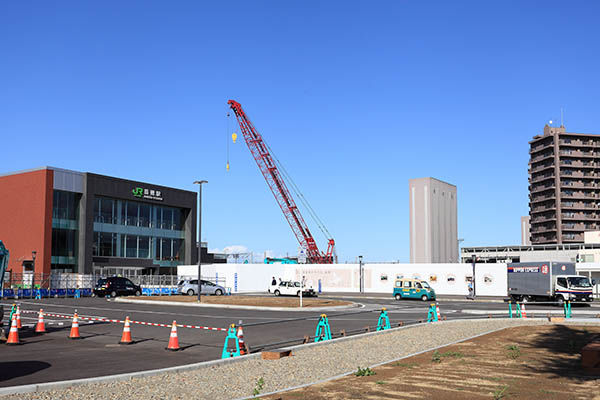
267,165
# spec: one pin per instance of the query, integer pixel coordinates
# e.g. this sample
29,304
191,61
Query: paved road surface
53,357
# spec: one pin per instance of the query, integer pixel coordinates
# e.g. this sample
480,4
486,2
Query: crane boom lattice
268,167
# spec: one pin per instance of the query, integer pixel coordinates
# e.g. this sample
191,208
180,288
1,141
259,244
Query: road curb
227,306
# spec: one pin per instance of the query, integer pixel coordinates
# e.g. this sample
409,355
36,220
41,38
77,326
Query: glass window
132,214
107,244
97,209
406,284
178,249
131,246
144,215
417,285
177,222
106,210
167,218
64,205
144,247
562,282
157,217
166,249
64,243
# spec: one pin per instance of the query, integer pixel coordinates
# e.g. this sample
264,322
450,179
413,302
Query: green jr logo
138,192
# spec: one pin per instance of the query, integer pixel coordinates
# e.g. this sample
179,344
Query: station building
56,220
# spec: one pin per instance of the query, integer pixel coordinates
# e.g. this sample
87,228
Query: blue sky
355,98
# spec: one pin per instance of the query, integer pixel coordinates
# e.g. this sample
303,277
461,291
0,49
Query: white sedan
291,288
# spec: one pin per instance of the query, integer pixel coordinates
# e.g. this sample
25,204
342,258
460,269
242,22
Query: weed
514,352
380,382
260,385
407,365
455,354
546,391
501,393
437,356
364,372
494,378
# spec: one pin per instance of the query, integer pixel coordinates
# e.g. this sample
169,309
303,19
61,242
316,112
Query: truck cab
413,289
573,288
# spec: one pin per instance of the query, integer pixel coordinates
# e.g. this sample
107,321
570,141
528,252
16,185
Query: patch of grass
455,354
501,393
380,382
437,356
364,372
406,365
514,352
494,378
550,392
260,385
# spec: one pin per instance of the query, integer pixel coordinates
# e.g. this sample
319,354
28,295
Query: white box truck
547,281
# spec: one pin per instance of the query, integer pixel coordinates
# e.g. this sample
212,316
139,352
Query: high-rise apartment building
564,194
433,221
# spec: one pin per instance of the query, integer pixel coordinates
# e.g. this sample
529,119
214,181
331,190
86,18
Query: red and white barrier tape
208,328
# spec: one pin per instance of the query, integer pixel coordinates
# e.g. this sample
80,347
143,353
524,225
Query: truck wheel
526,299
561,301
398,297
277,293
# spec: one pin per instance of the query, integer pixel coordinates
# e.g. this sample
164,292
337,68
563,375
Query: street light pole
33,255
360,274
199,183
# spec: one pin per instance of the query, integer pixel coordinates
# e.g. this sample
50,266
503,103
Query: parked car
116,286
190,287
291,288
413,289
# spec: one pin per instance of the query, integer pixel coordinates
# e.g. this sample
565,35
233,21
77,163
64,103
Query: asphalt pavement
53,357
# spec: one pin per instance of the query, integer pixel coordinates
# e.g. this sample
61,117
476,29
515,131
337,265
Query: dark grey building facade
106,225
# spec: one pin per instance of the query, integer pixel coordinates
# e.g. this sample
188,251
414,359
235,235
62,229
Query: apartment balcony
573,227
540,177
572,237
543,229
537,147
542,157
543,167
543,239
568,172
541,209
579,217
542,219
578,196
576,143
541,188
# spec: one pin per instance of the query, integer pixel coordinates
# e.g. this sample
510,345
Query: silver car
190,287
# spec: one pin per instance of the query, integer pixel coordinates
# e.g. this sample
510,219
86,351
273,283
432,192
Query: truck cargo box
536,278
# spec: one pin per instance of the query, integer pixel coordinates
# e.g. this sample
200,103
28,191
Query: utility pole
199,183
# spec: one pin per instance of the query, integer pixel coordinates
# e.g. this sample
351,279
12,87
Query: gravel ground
308,364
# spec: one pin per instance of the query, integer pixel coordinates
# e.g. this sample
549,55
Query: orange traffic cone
13,336
40,327
75,328
523,312
126,338
173,339
243,347
18,317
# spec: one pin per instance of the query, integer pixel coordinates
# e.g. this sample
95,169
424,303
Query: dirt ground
535,362
262,301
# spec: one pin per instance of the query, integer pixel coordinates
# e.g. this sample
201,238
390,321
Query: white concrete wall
446,279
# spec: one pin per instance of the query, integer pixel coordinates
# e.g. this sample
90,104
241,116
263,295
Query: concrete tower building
433,221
